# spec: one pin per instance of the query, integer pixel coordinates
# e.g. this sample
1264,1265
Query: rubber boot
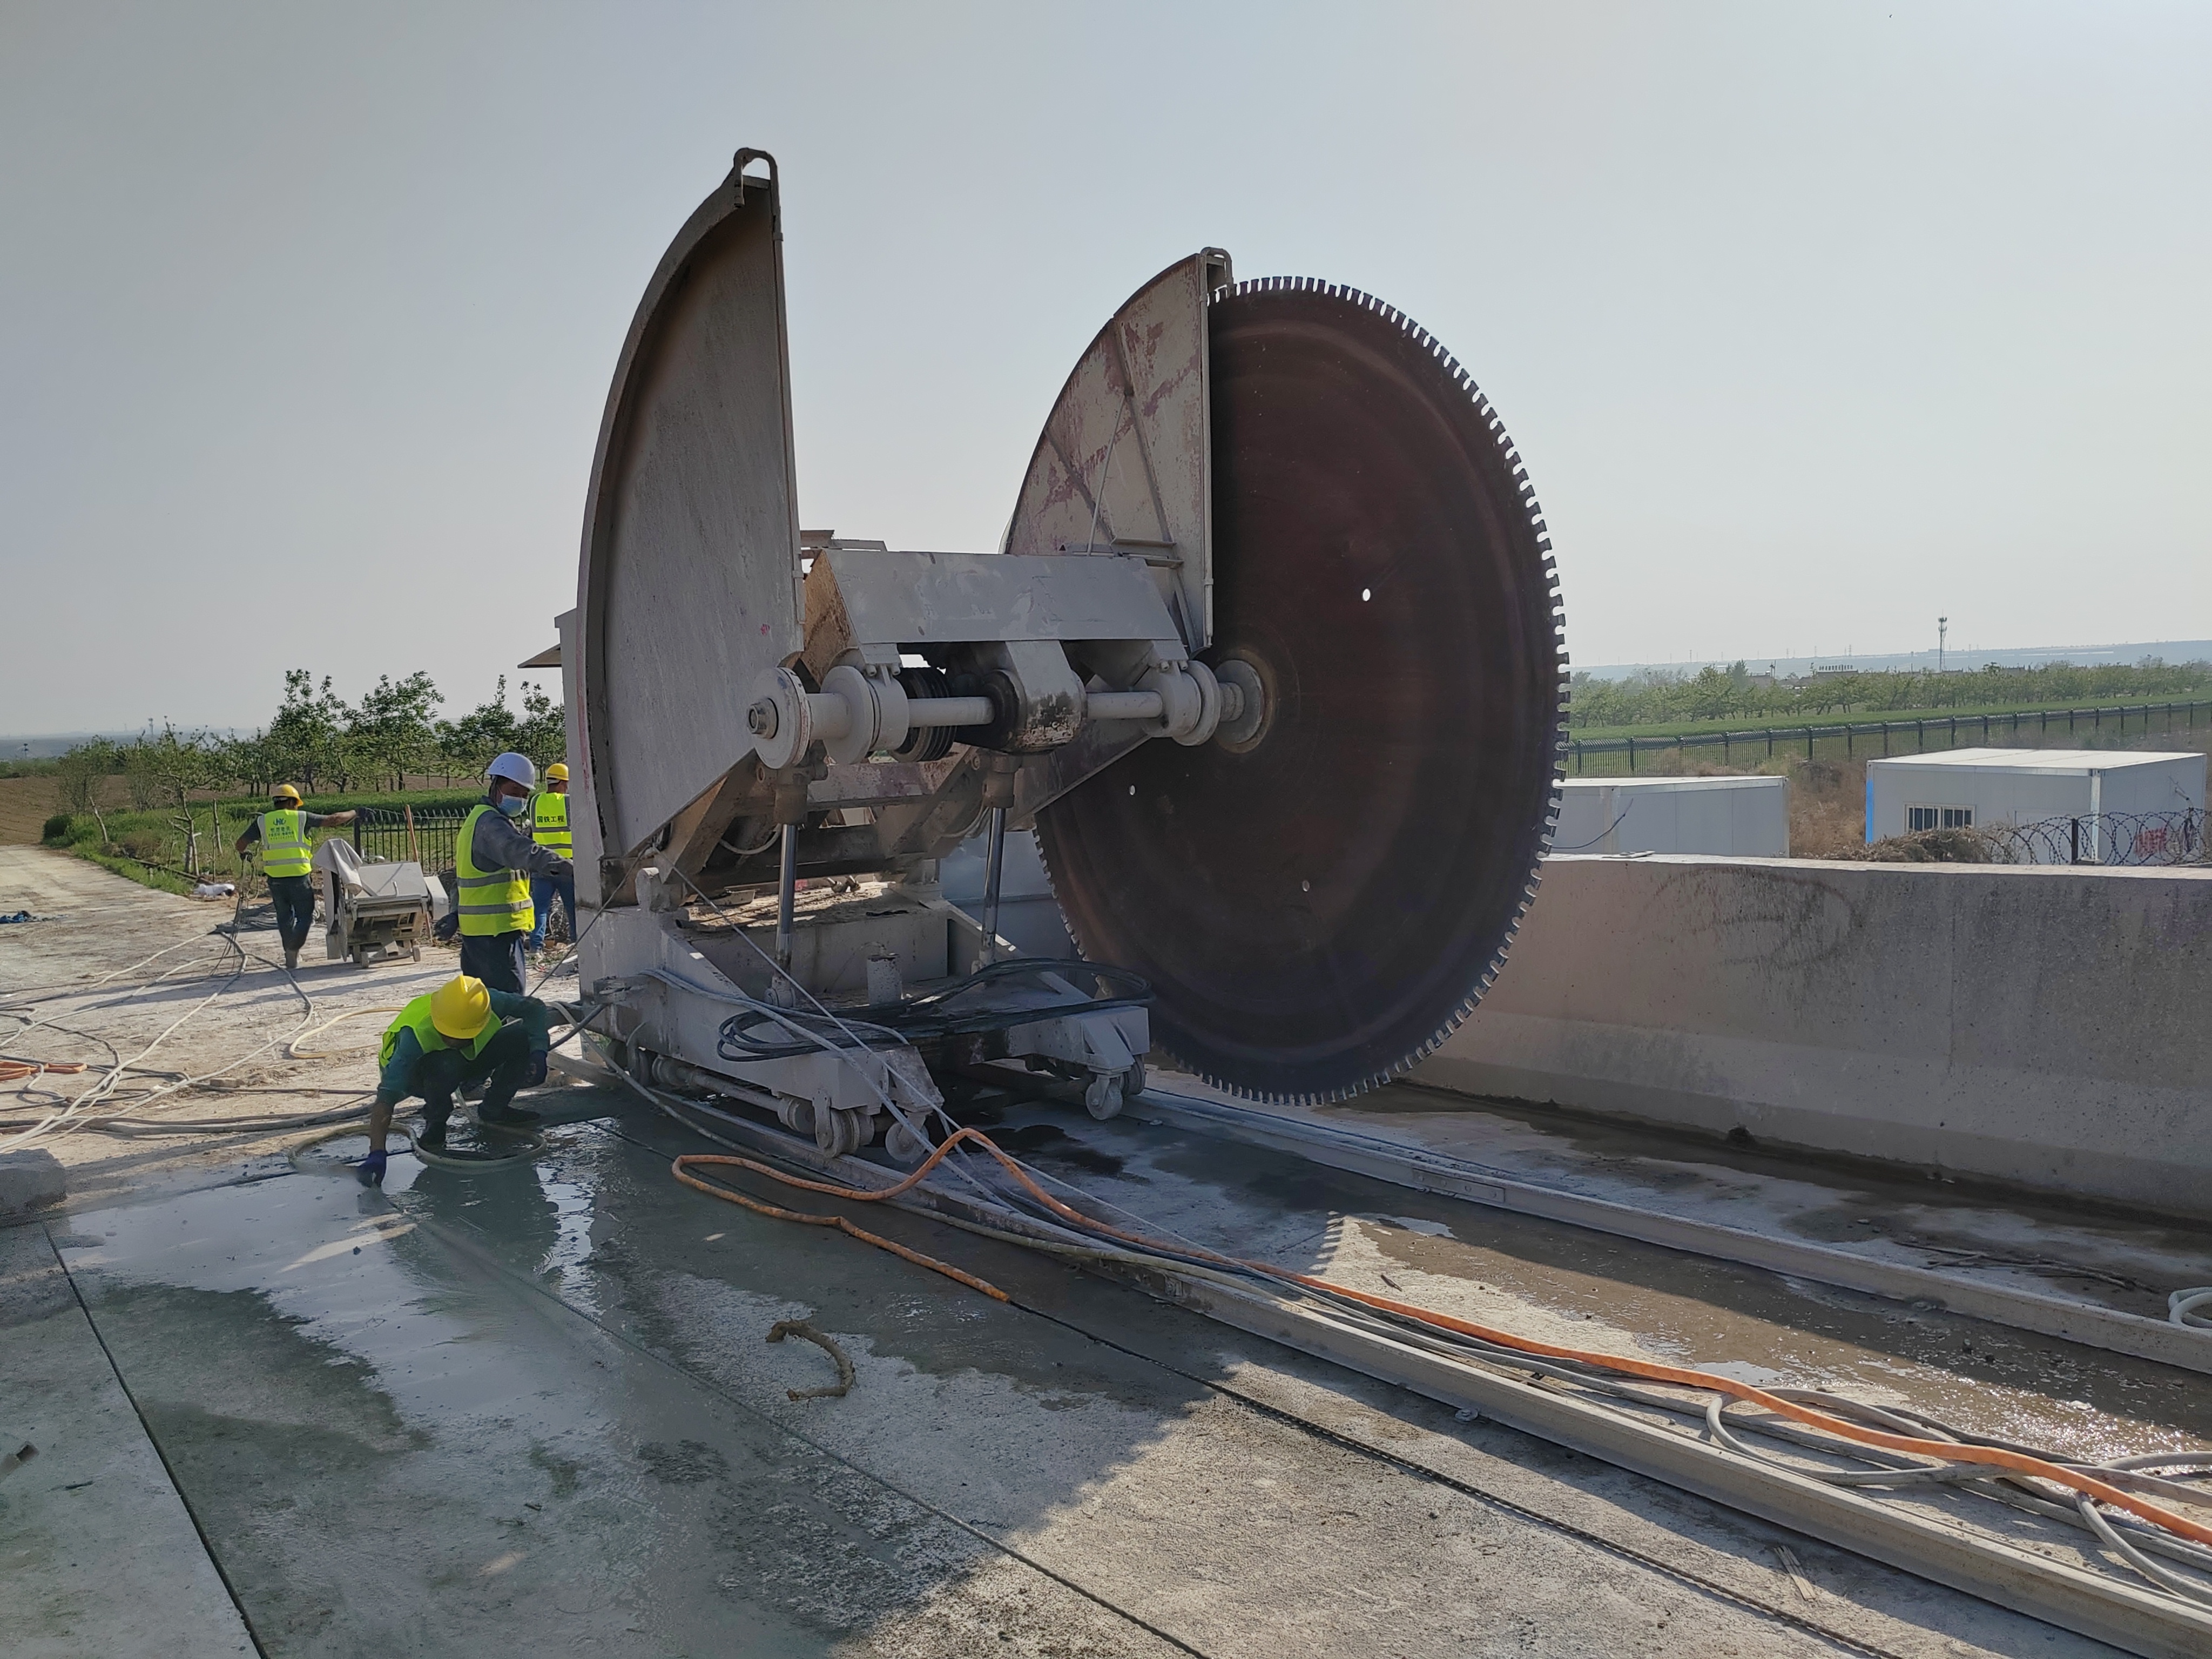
499,1091
291,957
435,1115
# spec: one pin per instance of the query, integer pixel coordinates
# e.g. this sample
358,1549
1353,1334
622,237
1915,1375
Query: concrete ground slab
537,1408
97,1552
534,1408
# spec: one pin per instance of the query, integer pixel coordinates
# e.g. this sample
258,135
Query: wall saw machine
1270,657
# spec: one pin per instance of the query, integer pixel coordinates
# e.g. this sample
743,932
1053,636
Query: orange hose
836,1221
1842,1428
15,1071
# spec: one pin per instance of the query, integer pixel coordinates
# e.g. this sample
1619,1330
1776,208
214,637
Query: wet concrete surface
535,1408
97,1552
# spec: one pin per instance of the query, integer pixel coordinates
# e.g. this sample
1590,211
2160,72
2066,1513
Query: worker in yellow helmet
286,833
460,1033
493,859
549,827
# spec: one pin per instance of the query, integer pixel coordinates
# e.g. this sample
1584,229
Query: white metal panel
1747,817
2176,785
1124,456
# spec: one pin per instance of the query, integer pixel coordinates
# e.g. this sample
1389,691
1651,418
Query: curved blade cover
1318,911
688,587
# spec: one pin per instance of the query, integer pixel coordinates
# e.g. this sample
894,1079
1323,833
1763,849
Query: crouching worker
461,1033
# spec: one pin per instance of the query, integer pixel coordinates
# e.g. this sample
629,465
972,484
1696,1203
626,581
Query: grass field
1868,716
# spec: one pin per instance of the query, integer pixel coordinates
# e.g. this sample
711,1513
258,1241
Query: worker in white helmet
495,859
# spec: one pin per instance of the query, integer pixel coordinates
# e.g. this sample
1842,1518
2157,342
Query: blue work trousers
543,888
496,958
294,899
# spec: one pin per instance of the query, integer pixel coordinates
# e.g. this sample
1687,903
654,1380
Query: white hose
2181,1307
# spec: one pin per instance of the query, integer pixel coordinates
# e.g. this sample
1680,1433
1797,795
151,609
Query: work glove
370,1173
536,1074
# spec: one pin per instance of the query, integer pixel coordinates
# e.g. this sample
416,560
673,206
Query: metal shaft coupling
858,712
865,709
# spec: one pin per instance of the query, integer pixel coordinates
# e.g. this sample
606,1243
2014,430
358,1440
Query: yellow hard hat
460,1007
557,773
285,792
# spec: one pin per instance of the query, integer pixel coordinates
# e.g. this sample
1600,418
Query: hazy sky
1810,320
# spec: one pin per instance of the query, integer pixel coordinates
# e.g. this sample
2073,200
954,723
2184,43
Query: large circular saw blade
1318,911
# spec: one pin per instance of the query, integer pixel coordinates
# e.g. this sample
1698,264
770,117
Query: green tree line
1664,696
319,742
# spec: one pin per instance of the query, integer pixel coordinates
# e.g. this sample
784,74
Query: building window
1938,818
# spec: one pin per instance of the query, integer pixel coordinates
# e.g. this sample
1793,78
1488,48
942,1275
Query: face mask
512,805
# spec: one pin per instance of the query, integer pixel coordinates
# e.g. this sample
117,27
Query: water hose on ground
836,1390
1995,1459
298,1151
294,1051
716,1190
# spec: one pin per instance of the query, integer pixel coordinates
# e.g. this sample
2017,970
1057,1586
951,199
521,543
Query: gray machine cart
375,911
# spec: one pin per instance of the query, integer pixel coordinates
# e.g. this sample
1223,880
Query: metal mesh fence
1871,739
420,835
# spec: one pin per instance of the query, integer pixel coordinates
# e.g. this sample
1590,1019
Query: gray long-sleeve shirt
500,844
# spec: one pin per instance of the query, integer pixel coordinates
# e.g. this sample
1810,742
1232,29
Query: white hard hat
515,768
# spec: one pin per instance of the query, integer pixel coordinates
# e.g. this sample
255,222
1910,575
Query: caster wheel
1133,1080
1103,1097
840,1133
907,1148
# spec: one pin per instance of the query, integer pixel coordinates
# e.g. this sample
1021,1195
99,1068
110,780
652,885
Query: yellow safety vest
491,902
416,1018
287,848
549,824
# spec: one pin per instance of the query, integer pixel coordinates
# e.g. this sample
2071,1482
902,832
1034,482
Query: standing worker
287,856
460,1033
494,861
549,827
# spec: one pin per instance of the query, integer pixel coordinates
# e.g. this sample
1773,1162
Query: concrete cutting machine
373,911
1270,656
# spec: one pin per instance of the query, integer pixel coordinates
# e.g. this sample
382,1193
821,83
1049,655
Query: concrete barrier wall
2049,1027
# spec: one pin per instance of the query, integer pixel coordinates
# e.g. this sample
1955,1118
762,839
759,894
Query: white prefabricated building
1747,817
1962,787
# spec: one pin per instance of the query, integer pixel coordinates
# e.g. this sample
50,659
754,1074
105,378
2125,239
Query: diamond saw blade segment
1320,905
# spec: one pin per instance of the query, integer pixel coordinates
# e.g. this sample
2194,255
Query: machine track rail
2110,1328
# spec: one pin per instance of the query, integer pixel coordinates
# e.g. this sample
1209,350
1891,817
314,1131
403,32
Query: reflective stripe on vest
548,822
286,848
491,902
416,1018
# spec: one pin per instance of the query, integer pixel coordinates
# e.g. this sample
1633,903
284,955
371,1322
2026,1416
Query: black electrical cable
928,1018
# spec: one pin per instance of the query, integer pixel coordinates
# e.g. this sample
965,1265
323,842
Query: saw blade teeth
1337,1071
